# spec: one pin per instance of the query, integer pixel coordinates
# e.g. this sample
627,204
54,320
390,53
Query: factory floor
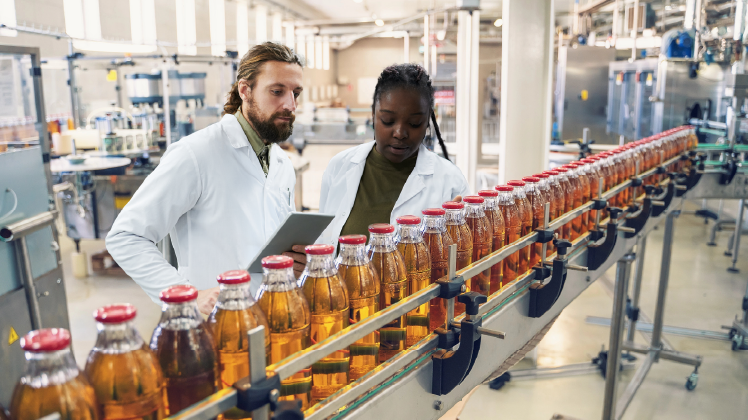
702,295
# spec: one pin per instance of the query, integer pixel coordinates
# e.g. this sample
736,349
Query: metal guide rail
430,377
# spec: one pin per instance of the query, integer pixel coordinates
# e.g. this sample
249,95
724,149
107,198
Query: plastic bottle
480,227
513,223
545,191
461,235
525,215
437,240
498,233
418,271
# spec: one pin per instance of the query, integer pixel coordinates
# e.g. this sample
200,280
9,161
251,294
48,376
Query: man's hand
206,300
457,199
299,259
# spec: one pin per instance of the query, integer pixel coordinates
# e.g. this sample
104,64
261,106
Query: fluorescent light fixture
217,13
112,47
498,22
310,51
73,11
325,53
318,52
379,22
143,21
8,17
290,36
277,27
186,30
242,28
261,23
440,35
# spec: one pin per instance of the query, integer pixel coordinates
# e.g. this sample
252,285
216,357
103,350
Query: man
221,191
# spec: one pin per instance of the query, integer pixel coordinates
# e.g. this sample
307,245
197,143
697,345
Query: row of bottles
189,358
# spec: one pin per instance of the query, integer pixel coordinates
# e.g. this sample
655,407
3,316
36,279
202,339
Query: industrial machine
32,290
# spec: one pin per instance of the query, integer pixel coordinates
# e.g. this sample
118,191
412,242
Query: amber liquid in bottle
363,292
498,235
538,212
557,196
594,179
438,244
393,283
525,214
461,235
480,227
510,212
128,385
548,198
576,224
74,400
418,271
289,319
586,196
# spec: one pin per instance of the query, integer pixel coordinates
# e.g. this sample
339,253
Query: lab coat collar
424,161
234,132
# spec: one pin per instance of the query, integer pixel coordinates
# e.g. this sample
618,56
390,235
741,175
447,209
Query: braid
409,76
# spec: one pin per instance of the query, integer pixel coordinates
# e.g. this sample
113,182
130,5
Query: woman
395,174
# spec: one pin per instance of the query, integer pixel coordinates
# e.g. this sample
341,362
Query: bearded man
220,192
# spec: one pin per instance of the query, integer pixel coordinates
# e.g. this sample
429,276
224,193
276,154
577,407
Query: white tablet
297,229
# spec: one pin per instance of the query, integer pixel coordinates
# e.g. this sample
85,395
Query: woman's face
401,117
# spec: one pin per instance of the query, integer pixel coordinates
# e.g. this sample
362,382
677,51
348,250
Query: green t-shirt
378,191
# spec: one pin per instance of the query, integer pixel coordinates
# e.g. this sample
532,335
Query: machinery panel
680,92
581,92
14,313
53,305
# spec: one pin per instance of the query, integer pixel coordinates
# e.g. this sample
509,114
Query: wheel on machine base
737,341
692,381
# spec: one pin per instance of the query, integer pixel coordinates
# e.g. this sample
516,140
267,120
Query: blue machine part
678,44
22,177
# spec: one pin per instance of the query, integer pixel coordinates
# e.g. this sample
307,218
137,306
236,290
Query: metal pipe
27,280
256,340
641,247
73,89
667,251
635,31
736,237
616,335
452,268
24,227
739,27
167,108
636,381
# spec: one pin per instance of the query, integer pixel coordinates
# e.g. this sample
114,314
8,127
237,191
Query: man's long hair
251,65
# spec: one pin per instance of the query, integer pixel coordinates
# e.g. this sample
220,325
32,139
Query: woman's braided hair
410,76
250,67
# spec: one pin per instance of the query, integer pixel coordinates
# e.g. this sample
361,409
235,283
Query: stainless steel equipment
32,290
144,88
581,95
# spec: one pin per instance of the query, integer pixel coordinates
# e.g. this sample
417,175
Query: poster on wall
366,87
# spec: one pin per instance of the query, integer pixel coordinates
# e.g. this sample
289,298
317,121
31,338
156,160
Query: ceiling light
440,35
498,23
379,22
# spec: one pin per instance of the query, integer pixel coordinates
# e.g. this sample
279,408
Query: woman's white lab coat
433,181
210,194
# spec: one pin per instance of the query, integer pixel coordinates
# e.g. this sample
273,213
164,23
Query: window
8,17
217,12
186,32
143,21
261,19
242,28
277,27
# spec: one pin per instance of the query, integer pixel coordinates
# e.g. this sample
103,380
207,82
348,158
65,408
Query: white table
91,164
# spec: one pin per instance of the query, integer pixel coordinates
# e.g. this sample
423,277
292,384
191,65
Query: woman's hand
299,259
206,300
457,199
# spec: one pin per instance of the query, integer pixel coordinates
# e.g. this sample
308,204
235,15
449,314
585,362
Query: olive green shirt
378,191
261,149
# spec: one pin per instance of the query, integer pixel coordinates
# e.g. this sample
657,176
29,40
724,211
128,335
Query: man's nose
289,102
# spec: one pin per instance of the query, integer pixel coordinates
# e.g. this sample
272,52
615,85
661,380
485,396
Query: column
467,97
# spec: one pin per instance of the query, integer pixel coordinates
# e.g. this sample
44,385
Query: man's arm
167,194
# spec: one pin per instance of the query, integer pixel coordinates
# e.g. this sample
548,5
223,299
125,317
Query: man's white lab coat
210,194
433,181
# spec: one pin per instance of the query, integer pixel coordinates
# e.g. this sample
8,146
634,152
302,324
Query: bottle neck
277,280
180,316
381,242
544,184
234,297
117,338
519,192
433,224
474,210
408,234
505,198
531,188
351,255
455,217
319,266
490,203
49,368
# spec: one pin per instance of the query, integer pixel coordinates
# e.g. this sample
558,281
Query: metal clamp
664,202
598,254
637,222
542,298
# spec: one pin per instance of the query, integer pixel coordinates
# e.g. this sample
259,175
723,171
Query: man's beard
267,129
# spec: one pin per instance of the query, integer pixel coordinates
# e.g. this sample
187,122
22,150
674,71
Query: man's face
269,106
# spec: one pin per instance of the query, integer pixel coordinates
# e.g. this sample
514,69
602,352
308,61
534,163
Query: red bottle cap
530,179
46,339
408,220
115,314
561,170
516,183
552,172
178,294
541,176
504,188
571,165
274,262
322,249
433,212
588,160
381,228
488,193
352,239
453,205
234,277
473,199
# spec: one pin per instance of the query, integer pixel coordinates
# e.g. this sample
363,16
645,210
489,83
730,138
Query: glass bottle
545,192
186,351
557,196
513,223
525,215
289,318
393,285
437,240
576,185
51,382
584,180
235,314
480,228
537,201
498,233
362,282
460,233
327,296
593,179
417,260
568,189
122,370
